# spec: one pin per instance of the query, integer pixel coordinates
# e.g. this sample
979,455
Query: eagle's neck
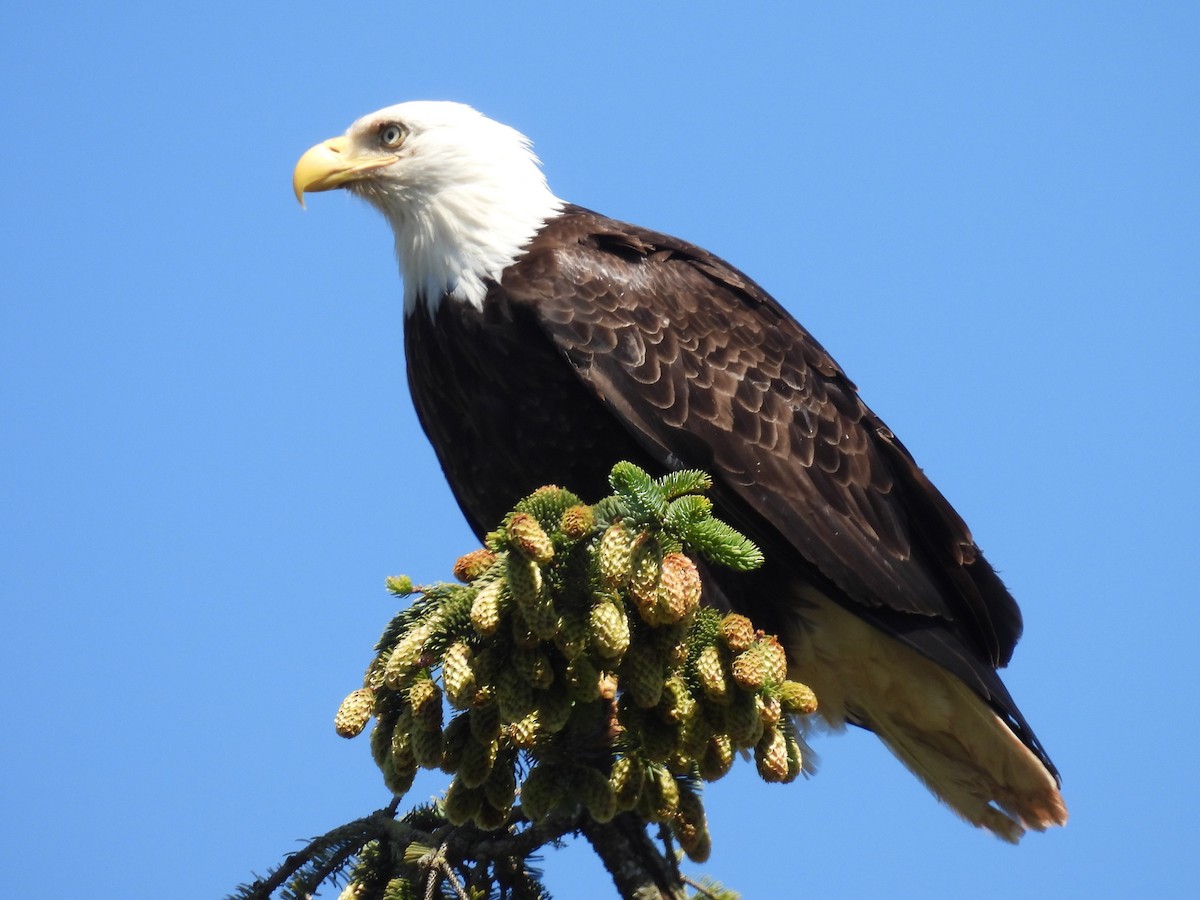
449,242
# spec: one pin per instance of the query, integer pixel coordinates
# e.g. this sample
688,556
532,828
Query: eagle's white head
463,194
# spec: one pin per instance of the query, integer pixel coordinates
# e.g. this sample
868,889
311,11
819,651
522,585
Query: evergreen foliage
570,681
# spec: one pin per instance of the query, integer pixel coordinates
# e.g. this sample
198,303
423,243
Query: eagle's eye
391,135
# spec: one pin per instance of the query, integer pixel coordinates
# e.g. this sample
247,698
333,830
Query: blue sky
987,213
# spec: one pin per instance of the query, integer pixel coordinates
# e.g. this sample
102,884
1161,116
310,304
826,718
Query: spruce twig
572,669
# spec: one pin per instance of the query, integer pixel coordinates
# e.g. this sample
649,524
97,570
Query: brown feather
676,359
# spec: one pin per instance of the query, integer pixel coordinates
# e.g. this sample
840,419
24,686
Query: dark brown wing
705,369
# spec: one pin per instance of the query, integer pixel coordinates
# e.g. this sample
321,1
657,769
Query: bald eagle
544,342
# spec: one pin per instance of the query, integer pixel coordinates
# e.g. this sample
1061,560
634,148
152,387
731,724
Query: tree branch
639,870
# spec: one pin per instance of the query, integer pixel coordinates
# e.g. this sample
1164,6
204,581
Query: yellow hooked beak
329,165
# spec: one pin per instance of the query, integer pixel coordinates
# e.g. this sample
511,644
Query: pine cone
645,568
710,670
427,748
771,756
613,555
425,697
642,675
797,698
678,588
471,565
528,537
749,669
514,695
609,629
485,611
541,793
577,521
595,792
737,632
458,675
717,759
500,789
626,780
476,763
461,803
354,713
583,679
774,660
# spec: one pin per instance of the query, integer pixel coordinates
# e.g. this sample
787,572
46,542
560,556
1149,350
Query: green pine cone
659,739
514,695
529,538
543,618
486,608
553,707
461,803
523,732
373,677
406,656
583,679
381,739
354,713
534,666
677,703
455,738
577,521
400,746
689,823
671,640
743,720
749,669
694,732
524,582
737,632
609,630
613,555
771,756
795,758
645,568
476,763
425,697
485,722
594,791
660,796
626,780
642,675
797,698
702,848
490,818
711,672
770,711
458,675
541,793
717,759
398,779
500,789
427,748
774,660
574,633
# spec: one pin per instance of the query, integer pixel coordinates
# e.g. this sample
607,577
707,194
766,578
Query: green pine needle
685,481
686,512
645,497
723,544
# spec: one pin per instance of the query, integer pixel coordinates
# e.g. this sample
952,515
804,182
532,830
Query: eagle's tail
937,726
